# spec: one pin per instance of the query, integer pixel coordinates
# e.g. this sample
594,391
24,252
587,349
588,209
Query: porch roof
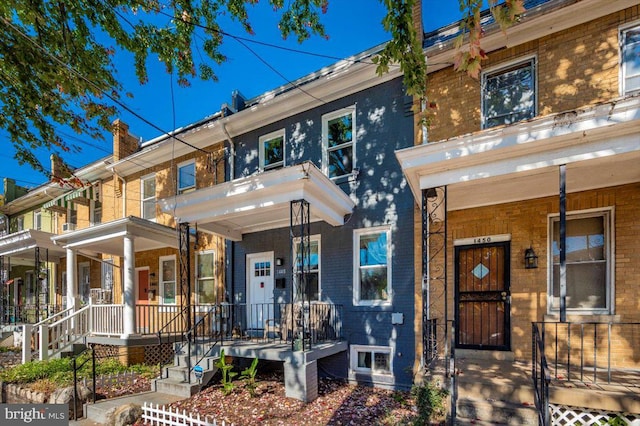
21,245
108,237
599,144
261,202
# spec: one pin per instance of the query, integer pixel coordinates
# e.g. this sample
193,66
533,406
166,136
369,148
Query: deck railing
541,374
592,352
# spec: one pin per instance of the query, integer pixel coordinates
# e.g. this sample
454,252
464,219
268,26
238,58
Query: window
312,269
338,143
148,197
206,281
588,254
186,177
168,280
509,94
630,54
96,206
20,223
72,215
271,150
106,283
372,271
371,359
37,220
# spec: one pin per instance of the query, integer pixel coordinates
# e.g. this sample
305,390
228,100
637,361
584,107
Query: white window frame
162,280
609,230
353,362
37,220
20,223
501,68
184,189
622,42
95,205
351,110
144,199
357,234
199,279
296,241
261,157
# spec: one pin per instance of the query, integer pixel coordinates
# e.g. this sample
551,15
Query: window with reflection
206,288
630,54
587,263
168,280
271,155
310,289
338,137
372,262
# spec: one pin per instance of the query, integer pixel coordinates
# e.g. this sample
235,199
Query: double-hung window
630,54
206,281
186,177
509,94
310,289
148,197
168,280
588,262
339,142
37,220
271,155
372,266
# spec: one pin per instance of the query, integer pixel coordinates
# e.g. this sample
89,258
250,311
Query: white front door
259,288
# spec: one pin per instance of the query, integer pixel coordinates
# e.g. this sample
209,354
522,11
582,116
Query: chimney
59,170
417,20
124,143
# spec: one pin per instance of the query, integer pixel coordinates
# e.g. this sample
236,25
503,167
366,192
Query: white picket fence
161,415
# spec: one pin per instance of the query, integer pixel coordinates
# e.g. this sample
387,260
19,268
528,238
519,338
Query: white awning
21,245
261,202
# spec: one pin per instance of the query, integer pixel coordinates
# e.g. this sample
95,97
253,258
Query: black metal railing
591,352
450,368
541,374
430,341
27,314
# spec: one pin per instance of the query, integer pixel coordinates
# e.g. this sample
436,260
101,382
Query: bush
430,401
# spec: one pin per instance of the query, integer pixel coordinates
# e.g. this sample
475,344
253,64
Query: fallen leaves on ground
338,403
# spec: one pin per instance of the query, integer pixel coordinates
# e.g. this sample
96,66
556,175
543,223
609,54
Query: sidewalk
96,414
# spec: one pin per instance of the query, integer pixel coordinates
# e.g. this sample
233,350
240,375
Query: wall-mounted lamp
530,259
279,261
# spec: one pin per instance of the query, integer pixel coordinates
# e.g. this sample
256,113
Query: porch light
530,259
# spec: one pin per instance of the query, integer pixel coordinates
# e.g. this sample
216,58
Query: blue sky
352,25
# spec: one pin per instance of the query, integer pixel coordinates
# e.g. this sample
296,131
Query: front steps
494,390
180,381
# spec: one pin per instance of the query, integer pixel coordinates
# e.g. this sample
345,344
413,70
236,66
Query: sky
353,26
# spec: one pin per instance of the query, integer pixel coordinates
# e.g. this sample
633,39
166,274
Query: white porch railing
106,320
51,338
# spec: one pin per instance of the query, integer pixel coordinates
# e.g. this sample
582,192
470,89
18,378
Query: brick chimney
124,144
59,170
417,20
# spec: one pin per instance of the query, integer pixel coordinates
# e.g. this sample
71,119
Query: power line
106,94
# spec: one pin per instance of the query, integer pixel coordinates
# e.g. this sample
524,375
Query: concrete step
100,411
496,412
486,388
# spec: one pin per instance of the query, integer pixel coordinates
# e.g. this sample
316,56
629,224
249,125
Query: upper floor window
630,54
372,266
148,197
206,280
509,94
310,290
20,223
37,220
338,142
186,177
271,148
96,206
72,215
588,262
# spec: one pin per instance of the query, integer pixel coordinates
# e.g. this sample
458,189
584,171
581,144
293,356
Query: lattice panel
106,351
565,415
159,354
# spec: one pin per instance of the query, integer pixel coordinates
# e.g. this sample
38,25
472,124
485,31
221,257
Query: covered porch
28,260
528,223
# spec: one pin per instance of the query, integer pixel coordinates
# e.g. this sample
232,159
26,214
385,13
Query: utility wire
105,93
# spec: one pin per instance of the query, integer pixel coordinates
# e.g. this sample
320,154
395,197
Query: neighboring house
542,152
28,258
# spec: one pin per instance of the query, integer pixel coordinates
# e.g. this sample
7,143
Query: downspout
230,248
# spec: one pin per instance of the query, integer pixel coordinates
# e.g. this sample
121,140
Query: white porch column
72,279
128,296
